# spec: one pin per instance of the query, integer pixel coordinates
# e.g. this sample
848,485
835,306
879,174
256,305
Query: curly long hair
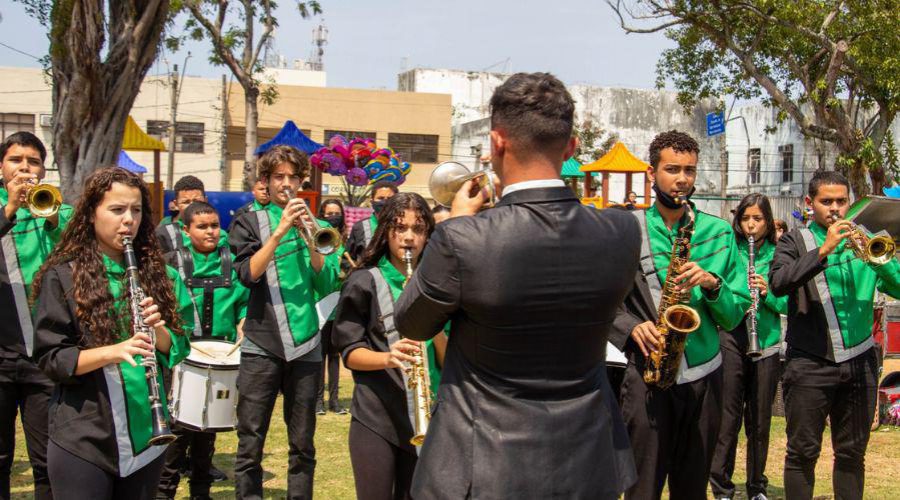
94,304
388,219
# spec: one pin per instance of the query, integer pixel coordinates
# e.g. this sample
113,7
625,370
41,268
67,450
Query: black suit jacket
524,409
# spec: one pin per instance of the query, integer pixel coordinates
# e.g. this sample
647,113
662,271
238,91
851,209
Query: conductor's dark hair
389,218
757,200
680,142
535,110
384,185
197,208
826,177
189,183
25,139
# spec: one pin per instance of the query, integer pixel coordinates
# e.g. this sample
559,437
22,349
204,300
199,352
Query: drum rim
197,428
201,364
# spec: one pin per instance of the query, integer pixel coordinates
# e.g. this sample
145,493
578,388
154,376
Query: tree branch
628,29
830,17
215,34
269,23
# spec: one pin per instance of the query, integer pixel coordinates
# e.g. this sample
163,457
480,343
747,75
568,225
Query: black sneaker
216,474
338,410
320,408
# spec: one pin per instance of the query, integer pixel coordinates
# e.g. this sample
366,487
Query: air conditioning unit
46,120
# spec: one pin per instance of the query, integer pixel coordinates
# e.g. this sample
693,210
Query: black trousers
673,433
260,379
748,390
74,478
202,446
331,367
381,471
23,386
813,390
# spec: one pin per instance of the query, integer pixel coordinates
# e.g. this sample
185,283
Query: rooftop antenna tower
320,39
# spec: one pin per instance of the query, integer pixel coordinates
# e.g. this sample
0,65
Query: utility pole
223,145
173,108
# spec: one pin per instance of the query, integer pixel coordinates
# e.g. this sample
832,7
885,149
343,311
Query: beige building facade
416,125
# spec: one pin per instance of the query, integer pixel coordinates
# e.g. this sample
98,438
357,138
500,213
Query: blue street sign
715,123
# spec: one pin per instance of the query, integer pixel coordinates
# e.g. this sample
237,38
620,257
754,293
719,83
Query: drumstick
203,352
235,348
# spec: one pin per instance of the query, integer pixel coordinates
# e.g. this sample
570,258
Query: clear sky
577,40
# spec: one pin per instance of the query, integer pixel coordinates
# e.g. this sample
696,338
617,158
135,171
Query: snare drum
204,387
615,367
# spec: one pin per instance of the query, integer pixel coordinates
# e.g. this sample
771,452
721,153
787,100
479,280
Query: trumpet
448,177
876,250
325,240
43,200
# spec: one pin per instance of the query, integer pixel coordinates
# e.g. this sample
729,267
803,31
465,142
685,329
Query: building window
188,135
753,166
10,123
415,148
787,163
348,134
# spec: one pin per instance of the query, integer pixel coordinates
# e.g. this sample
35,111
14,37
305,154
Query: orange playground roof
617,160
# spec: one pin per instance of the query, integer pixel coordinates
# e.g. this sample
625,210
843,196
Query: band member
100,413
780,228
26,242
524,409
282,347
750,381
220,304
440,213
260,199
674,430
331,211
383,458
363,230
831,361
188,189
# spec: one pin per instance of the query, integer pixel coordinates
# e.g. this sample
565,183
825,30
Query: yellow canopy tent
135,139
619,160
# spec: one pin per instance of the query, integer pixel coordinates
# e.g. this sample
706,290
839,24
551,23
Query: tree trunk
251,97
92,98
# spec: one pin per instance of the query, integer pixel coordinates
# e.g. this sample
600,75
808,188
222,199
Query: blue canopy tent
290,135
127,163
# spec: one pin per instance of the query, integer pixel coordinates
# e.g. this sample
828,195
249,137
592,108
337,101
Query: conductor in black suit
531,287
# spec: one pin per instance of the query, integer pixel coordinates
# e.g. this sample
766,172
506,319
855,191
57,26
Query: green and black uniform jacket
830,302
713,247
25,243
102,416
360,235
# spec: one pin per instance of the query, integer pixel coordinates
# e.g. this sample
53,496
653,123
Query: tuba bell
43,200
448,177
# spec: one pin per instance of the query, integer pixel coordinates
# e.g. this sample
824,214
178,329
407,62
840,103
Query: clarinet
161,435
753,350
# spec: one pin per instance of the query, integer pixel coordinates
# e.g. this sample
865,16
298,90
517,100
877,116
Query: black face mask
668,200
377,205
335,220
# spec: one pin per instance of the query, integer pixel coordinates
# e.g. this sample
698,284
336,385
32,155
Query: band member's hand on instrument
469,200
138,345
17,188
759,283
837,232
693,275
646,337
152,316
401,352
291,217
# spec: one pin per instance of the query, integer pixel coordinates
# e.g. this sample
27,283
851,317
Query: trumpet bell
448,177
326,240
880,249
43,200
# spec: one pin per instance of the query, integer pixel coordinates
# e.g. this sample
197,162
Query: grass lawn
334,477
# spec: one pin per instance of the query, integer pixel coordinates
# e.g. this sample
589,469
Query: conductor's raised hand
470,199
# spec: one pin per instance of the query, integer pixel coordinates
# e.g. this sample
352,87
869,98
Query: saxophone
417,378
160,434
675,319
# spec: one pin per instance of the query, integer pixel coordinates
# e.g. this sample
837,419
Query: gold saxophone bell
43,200
448,177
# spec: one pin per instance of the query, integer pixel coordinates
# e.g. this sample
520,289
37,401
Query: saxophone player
673,431
101,418
365,334
750,380
831,362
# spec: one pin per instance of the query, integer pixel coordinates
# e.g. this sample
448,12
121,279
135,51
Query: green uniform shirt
852,283
395,281
768,314
295,275
713,248
133,378
229,303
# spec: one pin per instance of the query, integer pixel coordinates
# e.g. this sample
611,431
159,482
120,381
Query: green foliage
591,142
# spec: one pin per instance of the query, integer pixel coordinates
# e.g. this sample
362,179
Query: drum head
213,353
614,357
